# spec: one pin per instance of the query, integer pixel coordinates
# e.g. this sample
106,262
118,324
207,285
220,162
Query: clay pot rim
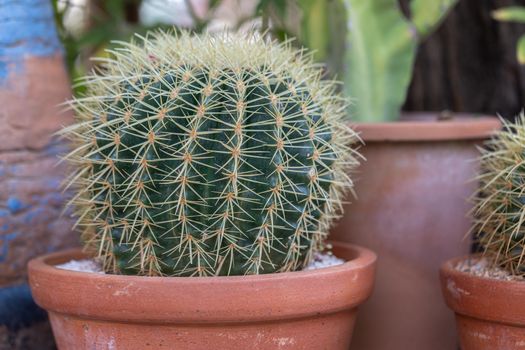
46,262
232,299
429,126
480,297
448,268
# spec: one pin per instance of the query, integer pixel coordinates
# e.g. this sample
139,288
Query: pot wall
490,313
297,310
475,334
329,332
412,210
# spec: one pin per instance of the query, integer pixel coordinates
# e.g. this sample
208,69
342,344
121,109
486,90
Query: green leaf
427,15
314,27
380,53
279,5
261,6
337,33
115,8
521,50
510,14
214,3
97,35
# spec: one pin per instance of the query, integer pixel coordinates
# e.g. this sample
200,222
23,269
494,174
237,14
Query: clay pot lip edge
221,299
447,269
364,258
428,129
484,289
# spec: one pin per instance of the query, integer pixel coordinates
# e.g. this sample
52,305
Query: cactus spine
208,155
500,204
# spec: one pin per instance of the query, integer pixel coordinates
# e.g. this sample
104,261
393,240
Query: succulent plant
499,210
208,155
381,49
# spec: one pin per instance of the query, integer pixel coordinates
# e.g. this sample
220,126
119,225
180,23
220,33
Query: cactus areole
208,155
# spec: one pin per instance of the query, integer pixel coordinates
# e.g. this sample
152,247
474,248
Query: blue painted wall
26,28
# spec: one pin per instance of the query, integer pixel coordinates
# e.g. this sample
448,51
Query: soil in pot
488,304
298,310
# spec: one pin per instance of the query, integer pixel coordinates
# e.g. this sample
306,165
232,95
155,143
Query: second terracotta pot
297,310
411,210
490,313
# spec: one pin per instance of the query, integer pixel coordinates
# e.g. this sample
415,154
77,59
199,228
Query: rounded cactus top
208,155
499,210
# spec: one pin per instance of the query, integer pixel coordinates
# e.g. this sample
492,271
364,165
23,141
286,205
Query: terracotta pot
411,210
298,310
490,313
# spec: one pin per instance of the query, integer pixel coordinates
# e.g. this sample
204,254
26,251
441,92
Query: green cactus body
500,204
201,156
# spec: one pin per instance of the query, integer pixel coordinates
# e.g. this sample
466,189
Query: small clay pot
490,313
296,310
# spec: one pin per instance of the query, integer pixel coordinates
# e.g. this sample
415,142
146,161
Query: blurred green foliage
323,29
369,44
105,21
513,14
381,47
108,20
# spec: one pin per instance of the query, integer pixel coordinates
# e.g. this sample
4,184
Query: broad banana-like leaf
427,15
380,50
